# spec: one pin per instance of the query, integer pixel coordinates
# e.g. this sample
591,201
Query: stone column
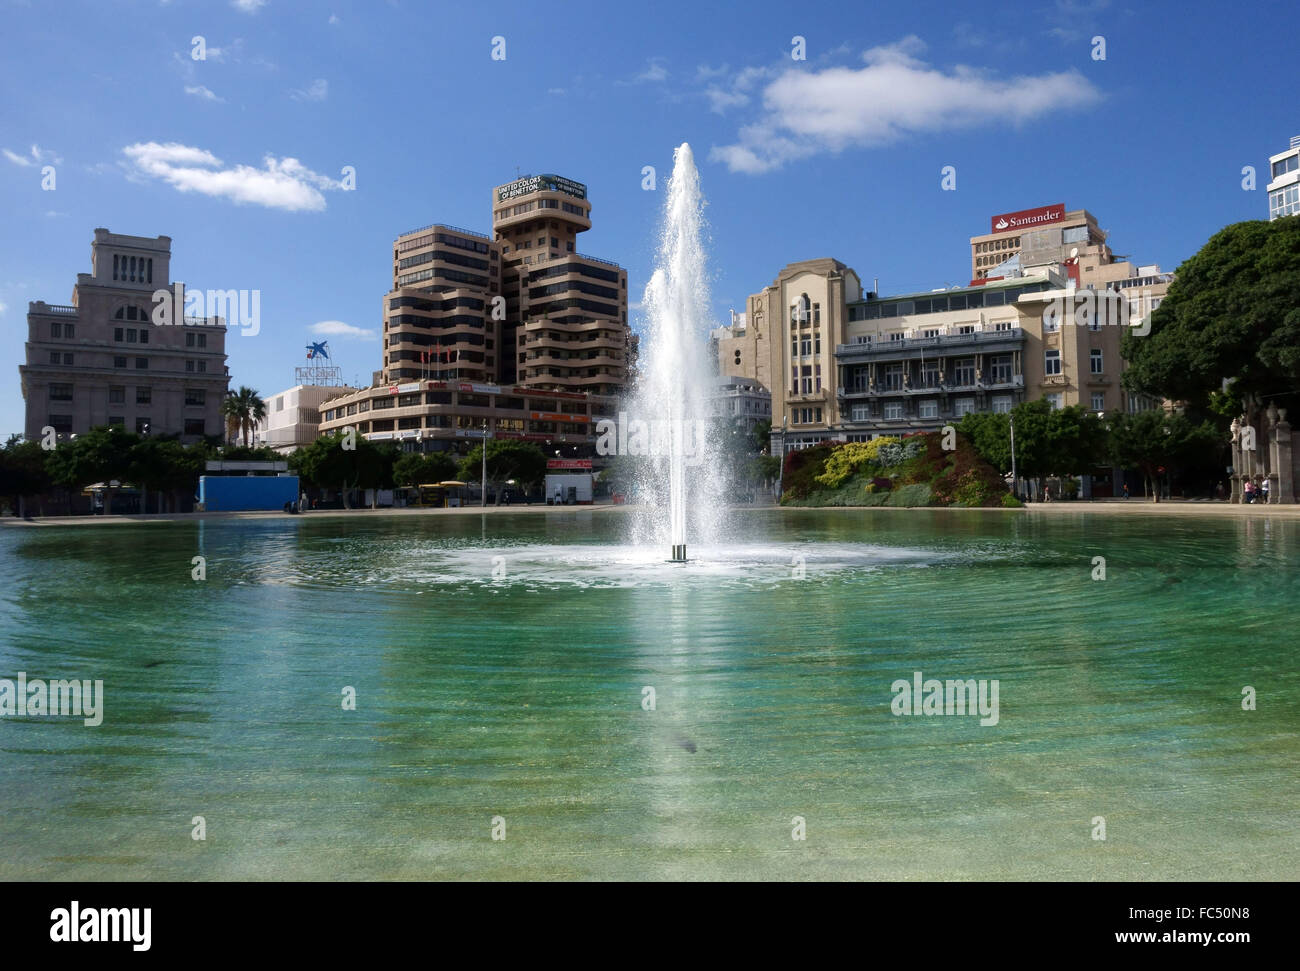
1282,478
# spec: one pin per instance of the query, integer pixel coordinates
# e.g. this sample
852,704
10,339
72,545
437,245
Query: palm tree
242,409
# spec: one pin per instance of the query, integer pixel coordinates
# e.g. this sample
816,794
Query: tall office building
566,318
102,361
1284,187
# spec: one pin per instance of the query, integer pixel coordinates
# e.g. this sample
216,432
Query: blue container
239,493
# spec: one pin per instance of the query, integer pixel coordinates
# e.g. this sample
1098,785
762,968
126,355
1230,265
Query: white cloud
3,306
337,328
248,6
334,19
656,71
279,184
202,91
318,90
895,95
556,91
38,156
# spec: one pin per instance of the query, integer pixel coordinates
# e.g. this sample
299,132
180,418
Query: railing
597,259
1017,381
54,308
455,229
949,340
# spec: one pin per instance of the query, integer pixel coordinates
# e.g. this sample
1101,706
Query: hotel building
851,365
100,360
1284,187
293,416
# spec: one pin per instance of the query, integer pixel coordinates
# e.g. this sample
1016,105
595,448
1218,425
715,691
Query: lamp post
1012,419
483,484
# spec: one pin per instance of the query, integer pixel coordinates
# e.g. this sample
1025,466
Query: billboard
541,183
1009,222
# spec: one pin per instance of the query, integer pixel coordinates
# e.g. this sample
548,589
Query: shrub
917,494
1010,502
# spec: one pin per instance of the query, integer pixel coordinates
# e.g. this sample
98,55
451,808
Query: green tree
102,454
1060,441
415,468
327,464
507,458
1230,313
23,472
243,409
1153,440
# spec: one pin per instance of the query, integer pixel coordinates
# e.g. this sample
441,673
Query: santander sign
1028,218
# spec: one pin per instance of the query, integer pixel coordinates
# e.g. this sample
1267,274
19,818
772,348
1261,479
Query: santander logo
1001,224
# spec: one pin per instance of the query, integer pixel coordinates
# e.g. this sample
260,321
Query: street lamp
483,484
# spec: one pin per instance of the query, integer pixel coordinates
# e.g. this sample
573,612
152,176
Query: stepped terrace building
102,361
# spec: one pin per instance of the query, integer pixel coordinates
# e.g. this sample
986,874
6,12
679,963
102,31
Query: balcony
914,348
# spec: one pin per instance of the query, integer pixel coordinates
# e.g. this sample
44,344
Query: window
67,359
144,337
963,373
1051,362
861,412
60,392
1002,325
1098,400
56,329
142,363
805,346
930,332
69,330
1054,400
1094,361
963,406
1000,369
893,377
893,410
144,396
62,424
130,334
189,366
1001,404
142,425
117,334
1285,165
194,426
119,362
55,357
118,420
117,396
928,409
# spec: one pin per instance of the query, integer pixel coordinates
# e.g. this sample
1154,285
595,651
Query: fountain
673,395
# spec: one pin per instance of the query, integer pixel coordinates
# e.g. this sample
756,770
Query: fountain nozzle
679,553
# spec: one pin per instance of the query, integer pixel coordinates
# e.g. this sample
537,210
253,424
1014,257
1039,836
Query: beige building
293,416
102,361
1036,237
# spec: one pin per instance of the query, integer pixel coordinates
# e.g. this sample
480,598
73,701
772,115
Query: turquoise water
499,662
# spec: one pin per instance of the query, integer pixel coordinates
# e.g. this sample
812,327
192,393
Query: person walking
1263,490
1249,490
1125,490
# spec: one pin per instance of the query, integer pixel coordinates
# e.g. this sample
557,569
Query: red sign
569,464
1010,222
392,389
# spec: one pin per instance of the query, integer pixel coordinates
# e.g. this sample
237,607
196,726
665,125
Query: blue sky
238,156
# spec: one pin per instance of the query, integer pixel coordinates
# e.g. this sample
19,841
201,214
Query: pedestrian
1263,490
1249,489
1125,490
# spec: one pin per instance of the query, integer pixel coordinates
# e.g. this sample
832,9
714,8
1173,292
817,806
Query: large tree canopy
1232,312
1049,441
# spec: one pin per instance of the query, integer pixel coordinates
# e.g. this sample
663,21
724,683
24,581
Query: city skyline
260,130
